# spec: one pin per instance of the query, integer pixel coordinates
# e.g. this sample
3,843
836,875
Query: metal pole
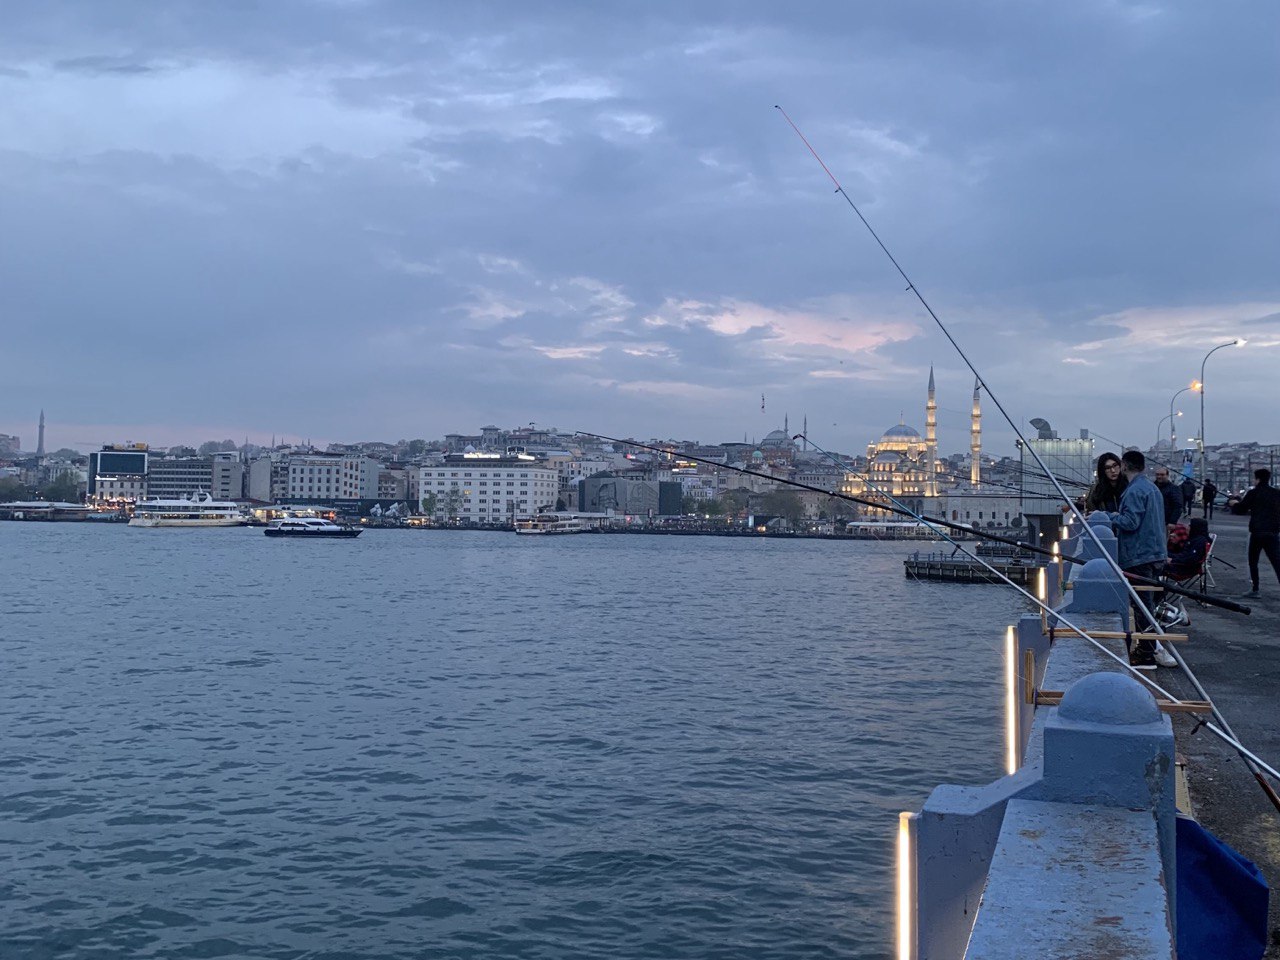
1229,343
1173,435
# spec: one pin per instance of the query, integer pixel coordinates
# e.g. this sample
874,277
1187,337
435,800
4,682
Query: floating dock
949,568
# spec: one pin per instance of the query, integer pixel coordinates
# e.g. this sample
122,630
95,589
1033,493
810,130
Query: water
440,744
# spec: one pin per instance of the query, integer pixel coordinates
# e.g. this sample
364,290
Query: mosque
904,465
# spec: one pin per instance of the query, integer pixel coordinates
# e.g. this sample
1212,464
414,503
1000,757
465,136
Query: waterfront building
221,475
632,497
488,488
118,473
395,483
1070,460
320,476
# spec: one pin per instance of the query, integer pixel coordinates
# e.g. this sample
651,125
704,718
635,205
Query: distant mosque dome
901,431
777,438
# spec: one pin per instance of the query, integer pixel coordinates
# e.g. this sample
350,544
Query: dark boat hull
314,534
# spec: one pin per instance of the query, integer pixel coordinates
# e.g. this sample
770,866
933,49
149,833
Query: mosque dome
777,438
900,431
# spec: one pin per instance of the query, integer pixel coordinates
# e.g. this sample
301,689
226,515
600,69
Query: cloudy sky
376,219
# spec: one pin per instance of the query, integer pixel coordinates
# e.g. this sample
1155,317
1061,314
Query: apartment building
488,489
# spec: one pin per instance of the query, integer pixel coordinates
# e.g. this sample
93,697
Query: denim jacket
1139,524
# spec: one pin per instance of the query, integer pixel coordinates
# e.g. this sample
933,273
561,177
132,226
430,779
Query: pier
957,568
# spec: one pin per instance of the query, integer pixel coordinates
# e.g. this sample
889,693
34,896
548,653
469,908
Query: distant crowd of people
1155,544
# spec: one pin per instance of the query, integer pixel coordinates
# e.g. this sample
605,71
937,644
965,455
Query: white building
487,488
322,476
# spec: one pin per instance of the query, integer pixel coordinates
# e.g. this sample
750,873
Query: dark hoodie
1187,561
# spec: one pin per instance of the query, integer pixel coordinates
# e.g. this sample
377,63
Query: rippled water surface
442,744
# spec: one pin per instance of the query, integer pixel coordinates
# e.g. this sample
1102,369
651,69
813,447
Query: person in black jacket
1262,504
1207,494
1171,495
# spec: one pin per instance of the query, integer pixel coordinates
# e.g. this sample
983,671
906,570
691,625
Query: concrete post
1109,744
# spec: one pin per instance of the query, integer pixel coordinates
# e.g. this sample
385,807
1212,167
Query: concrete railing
1072,854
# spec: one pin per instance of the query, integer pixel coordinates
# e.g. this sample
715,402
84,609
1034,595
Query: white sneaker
1164,658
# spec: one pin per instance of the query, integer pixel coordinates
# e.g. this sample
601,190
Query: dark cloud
501,213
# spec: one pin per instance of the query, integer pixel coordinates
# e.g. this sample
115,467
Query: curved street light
1160,426
1238,342
1173,433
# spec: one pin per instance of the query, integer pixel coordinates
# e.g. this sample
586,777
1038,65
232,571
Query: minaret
931,441
40,442
975,437
806,432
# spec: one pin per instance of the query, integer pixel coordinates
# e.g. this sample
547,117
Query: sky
345,220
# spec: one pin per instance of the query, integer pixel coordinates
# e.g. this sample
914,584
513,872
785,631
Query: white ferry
309,527
198,511
552,523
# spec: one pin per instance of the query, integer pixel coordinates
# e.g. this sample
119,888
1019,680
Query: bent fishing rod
1250,760
919,518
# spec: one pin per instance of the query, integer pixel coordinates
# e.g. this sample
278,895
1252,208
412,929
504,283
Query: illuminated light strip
1010,702
1042,583
906,899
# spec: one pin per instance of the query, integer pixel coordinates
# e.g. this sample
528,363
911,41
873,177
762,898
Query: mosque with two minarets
904,467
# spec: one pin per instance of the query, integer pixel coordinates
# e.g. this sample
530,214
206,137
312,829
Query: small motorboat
310,527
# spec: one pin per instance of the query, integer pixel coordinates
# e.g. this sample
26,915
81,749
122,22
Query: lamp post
1173,434
1230,343
1160,426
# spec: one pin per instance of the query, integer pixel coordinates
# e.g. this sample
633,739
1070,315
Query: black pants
1141,622
1259,543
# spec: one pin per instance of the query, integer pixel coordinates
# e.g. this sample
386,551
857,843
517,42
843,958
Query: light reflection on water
472,744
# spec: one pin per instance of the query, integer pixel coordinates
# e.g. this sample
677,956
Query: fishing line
933,524
1224,732
949,524
1133,593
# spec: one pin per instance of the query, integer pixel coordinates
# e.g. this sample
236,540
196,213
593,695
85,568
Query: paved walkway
1237,660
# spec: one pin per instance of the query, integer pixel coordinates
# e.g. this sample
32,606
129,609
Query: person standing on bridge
1262,504
1207,495
1142,542
1171,495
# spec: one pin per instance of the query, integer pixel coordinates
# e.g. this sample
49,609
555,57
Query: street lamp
1238,342
1173,433
1160,426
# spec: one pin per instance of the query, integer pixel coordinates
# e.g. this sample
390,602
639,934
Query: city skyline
380,220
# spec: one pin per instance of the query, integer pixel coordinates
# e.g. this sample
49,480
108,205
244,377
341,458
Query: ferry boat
197,511
310,527
551,523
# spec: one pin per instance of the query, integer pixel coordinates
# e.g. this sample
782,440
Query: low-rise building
487,488
321,476
221,475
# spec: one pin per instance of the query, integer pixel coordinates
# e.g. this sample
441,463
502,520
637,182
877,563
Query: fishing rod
1139,604
1222,730
935,521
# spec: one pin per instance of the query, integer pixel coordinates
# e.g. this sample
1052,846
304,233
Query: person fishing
1262,504
1142,540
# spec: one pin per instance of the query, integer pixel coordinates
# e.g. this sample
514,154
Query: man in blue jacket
1142,542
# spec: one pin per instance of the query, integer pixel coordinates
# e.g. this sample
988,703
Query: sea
464,744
